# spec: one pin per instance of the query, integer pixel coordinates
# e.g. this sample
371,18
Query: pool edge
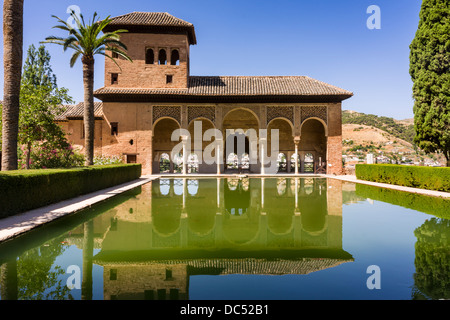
16,225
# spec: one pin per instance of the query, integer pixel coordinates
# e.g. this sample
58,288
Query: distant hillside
389,140
401,129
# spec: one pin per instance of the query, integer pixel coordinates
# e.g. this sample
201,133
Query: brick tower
158,43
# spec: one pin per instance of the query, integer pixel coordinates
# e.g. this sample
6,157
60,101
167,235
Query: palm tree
86,40
12,61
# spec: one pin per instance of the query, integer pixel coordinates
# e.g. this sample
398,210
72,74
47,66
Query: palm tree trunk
8,280
12,60
89,121
88,252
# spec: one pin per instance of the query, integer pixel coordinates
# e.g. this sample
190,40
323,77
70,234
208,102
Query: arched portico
240,129
162,144
286,145
246,135
312,148
197,128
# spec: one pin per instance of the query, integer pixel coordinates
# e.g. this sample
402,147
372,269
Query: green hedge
431,178
436,206
24,190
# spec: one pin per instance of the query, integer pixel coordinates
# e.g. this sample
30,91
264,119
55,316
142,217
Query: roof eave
136,28
147,97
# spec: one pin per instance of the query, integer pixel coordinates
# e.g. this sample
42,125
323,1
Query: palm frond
89,39
74,58
108,56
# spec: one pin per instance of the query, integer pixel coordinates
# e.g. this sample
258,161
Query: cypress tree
430,73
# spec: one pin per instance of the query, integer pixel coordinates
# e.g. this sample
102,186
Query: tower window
174,57
169,78
149,56
114,128
113,274
162,57
169,274
115,55
114,78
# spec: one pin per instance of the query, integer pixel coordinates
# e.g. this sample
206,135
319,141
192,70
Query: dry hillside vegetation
368,135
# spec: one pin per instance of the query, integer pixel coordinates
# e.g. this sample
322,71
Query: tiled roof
239,86
226,266
76,111
149,20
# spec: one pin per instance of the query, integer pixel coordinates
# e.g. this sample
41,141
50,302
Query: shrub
24,190
431,178
105,160
431,205
46,156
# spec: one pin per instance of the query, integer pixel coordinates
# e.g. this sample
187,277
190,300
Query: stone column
88,251
171,169
296,194
262,193
262,141
218,151
155,56
184,140
218,193
296,142
184,193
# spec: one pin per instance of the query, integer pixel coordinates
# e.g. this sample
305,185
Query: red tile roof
152,20
76,111
237,86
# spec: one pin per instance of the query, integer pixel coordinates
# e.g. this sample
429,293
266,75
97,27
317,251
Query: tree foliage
39,278
43,143
432,260
430,73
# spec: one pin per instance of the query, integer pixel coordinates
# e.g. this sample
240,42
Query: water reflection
33,276
185,227
432,249
432,261
148,244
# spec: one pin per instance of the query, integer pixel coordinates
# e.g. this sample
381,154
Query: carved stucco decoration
166,111
280,112
314,112
207,112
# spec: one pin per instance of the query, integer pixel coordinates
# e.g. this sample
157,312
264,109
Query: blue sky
324,39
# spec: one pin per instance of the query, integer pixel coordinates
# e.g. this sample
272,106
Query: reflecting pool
231,238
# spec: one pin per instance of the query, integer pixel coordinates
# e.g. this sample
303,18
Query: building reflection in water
177,228
150,242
